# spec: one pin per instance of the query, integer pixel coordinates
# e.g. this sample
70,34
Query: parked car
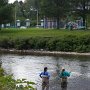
23,27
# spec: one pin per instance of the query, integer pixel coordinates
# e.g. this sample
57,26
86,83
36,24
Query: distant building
51,23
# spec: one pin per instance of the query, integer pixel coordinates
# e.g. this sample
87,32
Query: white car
23,27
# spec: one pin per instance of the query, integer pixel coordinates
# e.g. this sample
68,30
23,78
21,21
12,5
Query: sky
11,1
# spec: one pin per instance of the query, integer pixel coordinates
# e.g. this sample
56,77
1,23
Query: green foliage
1,72
27,85
6,43
81,11
53,40
33,23
83,44
4,2
51,44
7,83
6,12
21,43
31,43
41,43
54,8
67,43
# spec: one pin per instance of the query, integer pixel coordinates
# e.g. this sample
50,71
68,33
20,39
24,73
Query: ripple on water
29,67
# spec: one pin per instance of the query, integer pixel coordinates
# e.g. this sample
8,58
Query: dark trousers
64,83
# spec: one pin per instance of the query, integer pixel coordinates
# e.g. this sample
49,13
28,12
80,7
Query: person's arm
40,75
60,75
48,75
68,74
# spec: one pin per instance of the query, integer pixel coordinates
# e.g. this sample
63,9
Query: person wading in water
63,75
45,79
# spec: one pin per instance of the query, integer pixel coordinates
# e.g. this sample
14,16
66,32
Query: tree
34,3
55,9
6,15
31,8
28,4
81,8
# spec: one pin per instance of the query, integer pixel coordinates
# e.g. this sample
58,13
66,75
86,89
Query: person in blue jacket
63,75
45,79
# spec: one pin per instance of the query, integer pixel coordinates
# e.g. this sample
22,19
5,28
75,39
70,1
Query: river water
29,67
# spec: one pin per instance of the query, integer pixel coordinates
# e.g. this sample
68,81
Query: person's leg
47,85
43,87
64,89
64,85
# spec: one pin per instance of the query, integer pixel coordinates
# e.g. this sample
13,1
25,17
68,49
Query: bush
41,43
6,43
8,83
1,72
67,43
51,44
21,43
32,43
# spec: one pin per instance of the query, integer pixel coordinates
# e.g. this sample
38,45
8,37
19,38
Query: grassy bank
47,39
34,32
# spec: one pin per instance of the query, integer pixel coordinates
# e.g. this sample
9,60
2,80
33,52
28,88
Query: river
29,67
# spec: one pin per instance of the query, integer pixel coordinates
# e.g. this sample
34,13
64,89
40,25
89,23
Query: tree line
56,9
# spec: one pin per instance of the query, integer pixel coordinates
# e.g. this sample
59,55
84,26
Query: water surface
29,67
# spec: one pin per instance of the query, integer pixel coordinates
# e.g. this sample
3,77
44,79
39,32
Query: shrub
84,40
41,43
67,43
1,72
8,83
51,44
22,43
31,43
6,43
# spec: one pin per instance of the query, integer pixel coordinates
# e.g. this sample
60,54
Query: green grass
34,32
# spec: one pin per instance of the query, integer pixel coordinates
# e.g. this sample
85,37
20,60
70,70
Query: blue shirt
44,74
64,74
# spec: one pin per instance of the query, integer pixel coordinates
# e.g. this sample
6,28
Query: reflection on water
29,67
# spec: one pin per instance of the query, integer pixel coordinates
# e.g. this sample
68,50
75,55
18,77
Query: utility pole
15,16
36,10
37,17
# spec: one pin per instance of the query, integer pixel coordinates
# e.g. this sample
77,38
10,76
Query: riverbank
50,40
42,53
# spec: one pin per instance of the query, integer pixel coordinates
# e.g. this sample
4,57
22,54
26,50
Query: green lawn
34,32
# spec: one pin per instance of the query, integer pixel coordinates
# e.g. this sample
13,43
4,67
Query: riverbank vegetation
8,83
45,39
